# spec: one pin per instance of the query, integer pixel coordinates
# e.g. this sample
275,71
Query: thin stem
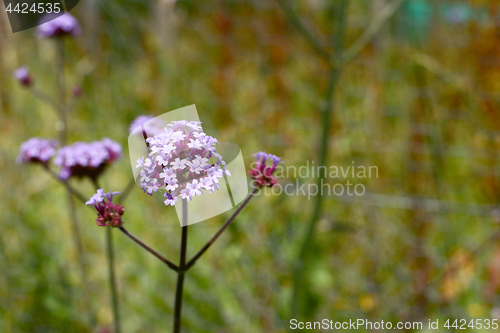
77,239
299,24
112,280
44,97
63,132
374,27
181,272
111,271
149,249
69,188
326,116
349,54
221,230
124,194
60,107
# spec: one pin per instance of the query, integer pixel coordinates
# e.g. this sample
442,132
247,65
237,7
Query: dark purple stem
181,272
150,250
221,230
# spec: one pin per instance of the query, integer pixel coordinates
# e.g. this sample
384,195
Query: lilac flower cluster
108,213
54,26
178,162
150,127
22,75
37,150
83,159
262,173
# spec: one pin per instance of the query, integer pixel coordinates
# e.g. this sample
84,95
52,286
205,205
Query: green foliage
426,115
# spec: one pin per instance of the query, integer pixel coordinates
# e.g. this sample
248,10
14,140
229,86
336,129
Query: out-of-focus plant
79,160
336,61
182,162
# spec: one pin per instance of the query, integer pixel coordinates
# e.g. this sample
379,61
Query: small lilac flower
37,150
262,173
96,198
83,159
22,75
170,199
58,26
108,213
191,190
206,183
178,162
150,128
140,162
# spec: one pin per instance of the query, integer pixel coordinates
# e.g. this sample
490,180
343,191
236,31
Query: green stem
181,272
68,187
326,115
77,239
63,131
149,249
61,108
111,272
221,230
299,24
124,194
112,280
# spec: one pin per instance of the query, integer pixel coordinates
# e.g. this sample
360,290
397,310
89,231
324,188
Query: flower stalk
181,271
109,216
149,249
112,279
182,145
62,126
221,230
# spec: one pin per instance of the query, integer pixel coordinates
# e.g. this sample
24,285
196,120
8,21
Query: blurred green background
420,100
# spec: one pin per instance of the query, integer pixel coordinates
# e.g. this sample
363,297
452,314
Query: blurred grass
420,102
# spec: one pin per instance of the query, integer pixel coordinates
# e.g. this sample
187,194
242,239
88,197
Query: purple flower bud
58,26
37,150
23,76
108,213
262,174
137,122
77,91
150,125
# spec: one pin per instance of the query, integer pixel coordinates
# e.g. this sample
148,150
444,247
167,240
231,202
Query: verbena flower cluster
182,161
150,127
109,214
83,159
23,76
37,150
64,25
262,173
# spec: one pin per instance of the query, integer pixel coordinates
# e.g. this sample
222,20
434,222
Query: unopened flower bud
23,76
109,214
262,173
